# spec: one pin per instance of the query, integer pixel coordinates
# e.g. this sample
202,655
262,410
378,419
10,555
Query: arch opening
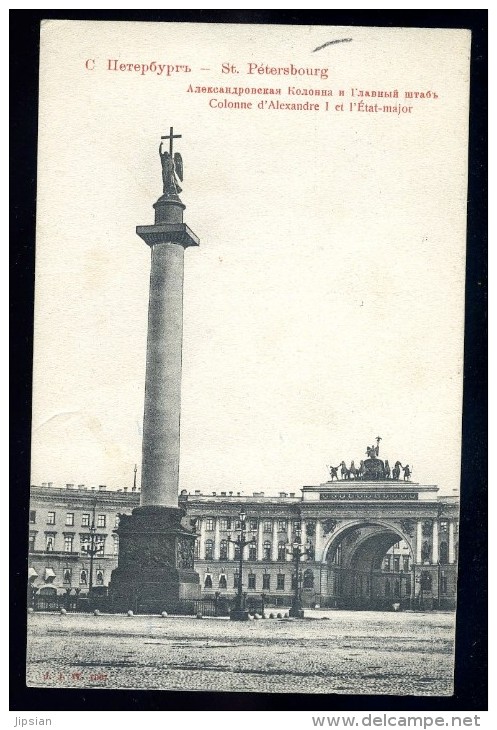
368,566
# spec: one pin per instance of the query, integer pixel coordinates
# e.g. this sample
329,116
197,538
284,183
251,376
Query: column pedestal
155,570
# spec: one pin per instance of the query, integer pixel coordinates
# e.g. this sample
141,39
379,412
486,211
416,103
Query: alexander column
156,546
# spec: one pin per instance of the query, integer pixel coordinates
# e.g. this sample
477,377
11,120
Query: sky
325,304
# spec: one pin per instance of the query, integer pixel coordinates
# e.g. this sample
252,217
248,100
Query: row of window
67,576
86,518
253,581
85,543
393,563
252,551
226,523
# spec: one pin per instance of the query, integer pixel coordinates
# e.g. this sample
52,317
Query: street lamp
239,612
297,553
92,549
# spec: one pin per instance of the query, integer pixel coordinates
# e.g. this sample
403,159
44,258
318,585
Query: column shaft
259,540
161,419
452,553
289,540
303,537
217,539
419,540
318,542
274,544
434,549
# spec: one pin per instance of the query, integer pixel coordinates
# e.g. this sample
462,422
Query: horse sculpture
354,471
387,470
396,471
344,471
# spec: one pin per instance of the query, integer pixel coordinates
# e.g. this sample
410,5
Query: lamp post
239,612
297,553
92,549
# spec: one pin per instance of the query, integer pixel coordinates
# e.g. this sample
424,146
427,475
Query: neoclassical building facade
370,543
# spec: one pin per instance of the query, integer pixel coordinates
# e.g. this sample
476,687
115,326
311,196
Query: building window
406,563
252,525
225,523
209,549
308,579
281,551
51,518
387,587
444,553
266,582
68,541
386,563
83,577
443,526
252,552
396,563
266,550
70,519
235,580
115,544
268,526
208,581
223,550
85,520
443,583
280,582
209,524
197,549
101,520
281,525
397,588
297,525
222,581
426,581
67,576
49,545
100,577
32,516
251,581
32,538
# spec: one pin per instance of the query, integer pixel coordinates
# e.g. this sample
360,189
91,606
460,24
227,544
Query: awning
48,589
32,573
49,574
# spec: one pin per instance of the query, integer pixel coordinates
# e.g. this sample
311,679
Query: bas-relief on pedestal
156,545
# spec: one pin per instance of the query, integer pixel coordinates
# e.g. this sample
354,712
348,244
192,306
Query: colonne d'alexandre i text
367,538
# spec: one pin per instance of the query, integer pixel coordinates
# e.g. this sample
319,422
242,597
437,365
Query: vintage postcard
248,357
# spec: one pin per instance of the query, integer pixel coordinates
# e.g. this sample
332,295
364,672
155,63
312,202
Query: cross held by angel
172,166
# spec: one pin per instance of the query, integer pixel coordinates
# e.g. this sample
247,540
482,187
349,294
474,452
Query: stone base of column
155,570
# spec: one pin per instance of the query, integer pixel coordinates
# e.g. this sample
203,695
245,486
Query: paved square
333,651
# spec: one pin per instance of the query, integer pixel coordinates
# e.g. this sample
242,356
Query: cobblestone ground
336,651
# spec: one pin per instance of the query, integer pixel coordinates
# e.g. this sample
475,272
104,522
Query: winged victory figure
172,169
